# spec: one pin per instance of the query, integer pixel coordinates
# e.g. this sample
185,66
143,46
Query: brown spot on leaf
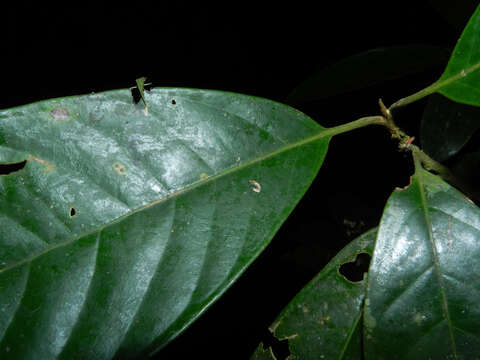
119,168
48,165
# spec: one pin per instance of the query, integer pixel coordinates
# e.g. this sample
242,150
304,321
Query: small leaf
367,69
461,79
323,320
141,88
423,288
447,126
165,215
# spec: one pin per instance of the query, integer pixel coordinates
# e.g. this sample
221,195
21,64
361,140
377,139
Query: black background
253,48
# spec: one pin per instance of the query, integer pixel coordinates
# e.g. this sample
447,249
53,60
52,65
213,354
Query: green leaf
123,228
141,88
423,288
461,79
447,126
323,320
367,69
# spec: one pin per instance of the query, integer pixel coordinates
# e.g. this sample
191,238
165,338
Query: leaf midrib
324,133
436,264
447,81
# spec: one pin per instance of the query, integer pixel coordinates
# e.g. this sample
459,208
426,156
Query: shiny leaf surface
447,126
124,226
323,320
461,79
366,69
423,288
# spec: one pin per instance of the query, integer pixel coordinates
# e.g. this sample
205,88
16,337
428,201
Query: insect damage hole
6,169
72,212
174,102
279,347
353,271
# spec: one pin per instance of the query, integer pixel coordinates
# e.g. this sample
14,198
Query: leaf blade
447,126
151,194
460,80
413,307
323,320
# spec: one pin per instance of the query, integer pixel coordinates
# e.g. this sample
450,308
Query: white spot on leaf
256,186
60,114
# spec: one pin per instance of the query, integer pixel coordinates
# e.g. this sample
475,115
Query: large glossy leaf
447,126
461,79
124,226
423,288
367,69
323,320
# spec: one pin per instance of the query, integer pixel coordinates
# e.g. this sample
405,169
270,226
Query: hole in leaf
6,169
353,271
279,347
135,95
174,102
73,212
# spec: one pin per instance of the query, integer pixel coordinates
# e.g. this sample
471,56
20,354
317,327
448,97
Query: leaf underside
428,307
367,69
124,226
447,126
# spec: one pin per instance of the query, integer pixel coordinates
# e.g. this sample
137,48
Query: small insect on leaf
256,186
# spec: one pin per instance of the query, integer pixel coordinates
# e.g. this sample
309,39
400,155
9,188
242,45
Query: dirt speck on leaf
419,318
119,168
